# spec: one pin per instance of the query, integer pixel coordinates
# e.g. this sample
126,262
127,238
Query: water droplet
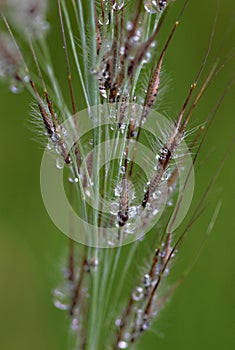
26,78
148,5
122,128
139,317
49,146
155,212
60,299
134,39
130,228
73,179
132,211
129,25
147,57
118,5
145,326
113,208
15,89
133,134
91,141
166,271
59,163
64,132
112,116
103,92
155,195
74,324
118,322
94,71
101,22
88,193
122,170
154,6
138,294
147,280
122,50
146,188
57,149
126,335
143,121
45,26
95,262
148,207
55,137
117,190
122,344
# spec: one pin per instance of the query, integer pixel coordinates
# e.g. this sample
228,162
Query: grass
100,278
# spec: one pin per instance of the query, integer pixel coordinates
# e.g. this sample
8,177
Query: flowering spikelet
10,59
28,15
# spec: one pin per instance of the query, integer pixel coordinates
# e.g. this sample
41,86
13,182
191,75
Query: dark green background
202,312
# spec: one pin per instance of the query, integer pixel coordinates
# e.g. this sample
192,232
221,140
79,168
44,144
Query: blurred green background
202,312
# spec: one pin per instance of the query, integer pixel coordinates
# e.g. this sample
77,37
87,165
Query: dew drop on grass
45,26
118,322
112,117
122,344
132,212
57,149
150,7
74,324
129,25
60,299
122,170
170,203
101,22
138,294
117,191
147,57
155,211
118,5
59,163
145,326
15,89
49,146
88,193
73,179
148,207
122,128
143,121
113,208
55,137
147,280
155,6
130,228
26,78
94,71
64,132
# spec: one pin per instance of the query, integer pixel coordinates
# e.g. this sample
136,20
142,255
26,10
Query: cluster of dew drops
151,6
